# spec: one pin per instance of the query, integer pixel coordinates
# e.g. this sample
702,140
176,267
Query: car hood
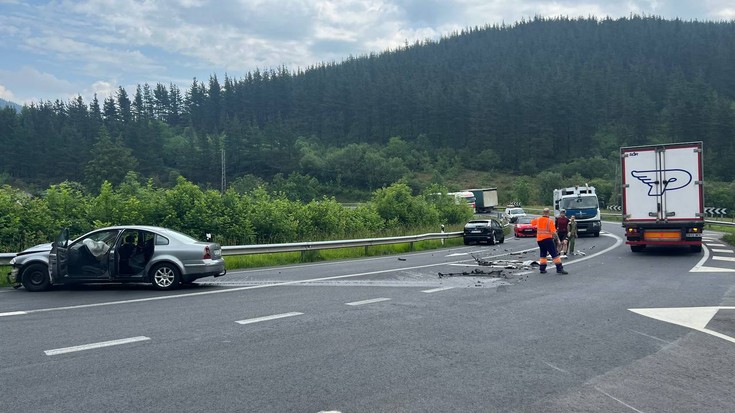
37,248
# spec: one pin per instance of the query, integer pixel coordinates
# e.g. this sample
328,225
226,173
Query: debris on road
496,273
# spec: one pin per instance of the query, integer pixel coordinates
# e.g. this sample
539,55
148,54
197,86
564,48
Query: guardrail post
366,250
410,246
303,255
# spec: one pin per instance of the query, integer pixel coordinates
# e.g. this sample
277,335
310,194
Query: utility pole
224,172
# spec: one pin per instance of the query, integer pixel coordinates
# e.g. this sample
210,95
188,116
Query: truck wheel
597,234
36,278
466,242
637,248
695,248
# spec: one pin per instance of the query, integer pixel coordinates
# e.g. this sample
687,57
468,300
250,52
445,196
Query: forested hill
518,98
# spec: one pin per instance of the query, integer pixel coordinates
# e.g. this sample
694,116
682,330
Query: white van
512,213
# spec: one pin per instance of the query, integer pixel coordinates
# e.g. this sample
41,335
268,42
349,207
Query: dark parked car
523,227
131,253
487,230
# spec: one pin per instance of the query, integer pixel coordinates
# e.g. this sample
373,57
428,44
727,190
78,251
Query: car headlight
12,261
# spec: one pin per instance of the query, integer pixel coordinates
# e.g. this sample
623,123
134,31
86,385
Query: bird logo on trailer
677,179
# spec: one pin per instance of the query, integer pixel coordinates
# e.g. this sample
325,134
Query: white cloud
89,45
6,94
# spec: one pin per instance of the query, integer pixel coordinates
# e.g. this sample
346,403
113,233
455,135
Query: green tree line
258,216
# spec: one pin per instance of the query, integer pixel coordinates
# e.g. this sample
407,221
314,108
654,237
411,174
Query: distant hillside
4,103
544,95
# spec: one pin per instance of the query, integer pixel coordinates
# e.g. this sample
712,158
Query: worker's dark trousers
548,246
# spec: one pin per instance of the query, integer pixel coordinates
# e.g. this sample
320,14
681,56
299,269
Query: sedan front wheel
36,278
165,276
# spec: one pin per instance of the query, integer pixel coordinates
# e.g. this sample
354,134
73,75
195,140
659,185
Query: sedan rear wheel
492,241
165,276
36,278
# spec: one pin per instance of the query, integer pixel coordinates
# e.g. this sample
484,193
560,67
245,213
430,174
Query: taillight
207,254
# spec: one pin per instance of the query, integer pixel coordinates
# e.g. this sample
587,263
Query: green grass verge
268,260
4,270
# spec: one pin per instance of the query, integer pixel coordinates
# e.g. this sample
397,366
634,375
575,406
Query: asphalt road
623,332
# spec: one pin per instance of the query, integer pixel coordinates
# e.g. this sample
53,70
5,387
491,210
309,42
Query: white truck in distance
663,199
486,199
582,202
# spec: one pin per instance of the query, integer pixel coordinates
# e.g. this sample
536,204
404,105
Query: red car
523,227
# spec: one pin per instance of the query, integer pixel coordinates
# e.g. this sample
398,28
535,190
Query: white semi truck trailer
663,198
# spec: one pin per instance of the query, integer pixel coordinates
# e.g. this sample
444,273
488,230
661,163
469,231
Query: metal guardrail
303,247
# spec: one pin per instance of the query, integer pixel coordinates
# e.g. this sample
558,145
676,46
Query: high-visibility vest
544,228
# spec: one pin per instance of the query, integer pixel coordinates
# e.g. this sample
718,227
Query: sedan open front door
58,257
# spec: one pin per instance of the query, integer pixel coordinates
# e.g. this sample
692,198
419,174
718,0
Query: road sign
715,211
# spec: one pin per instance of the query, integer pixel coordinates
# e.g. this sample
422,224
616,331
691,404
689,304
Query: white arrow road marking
95,345
695,318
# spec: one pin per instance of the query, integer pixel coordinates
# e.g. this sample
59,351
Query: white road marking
556,368
713,244
95,345
228,290
722,251
12,313
457,254
695,318
650,336
374,300
729,259
711,269
698,267
618,400
436,290
268,317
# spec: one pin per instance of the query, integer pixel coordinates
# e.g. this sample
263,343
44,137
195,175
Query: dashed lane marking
436,290
268,318
722,251
95,345
729,259
226,290
618,400
363,302
12,313
712,244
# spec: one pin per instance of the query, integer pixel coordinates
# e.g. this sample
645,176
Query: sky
63,49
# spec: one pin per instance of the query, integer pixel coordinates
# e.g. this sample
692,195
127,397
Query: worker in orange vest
545,230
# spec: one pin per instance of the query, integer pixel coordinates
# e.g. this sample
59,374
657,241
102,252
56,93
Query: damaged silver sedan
120,254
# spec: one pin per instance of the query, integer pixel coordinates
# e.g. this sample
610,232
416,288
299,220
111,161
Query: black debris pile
477,272
506,264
